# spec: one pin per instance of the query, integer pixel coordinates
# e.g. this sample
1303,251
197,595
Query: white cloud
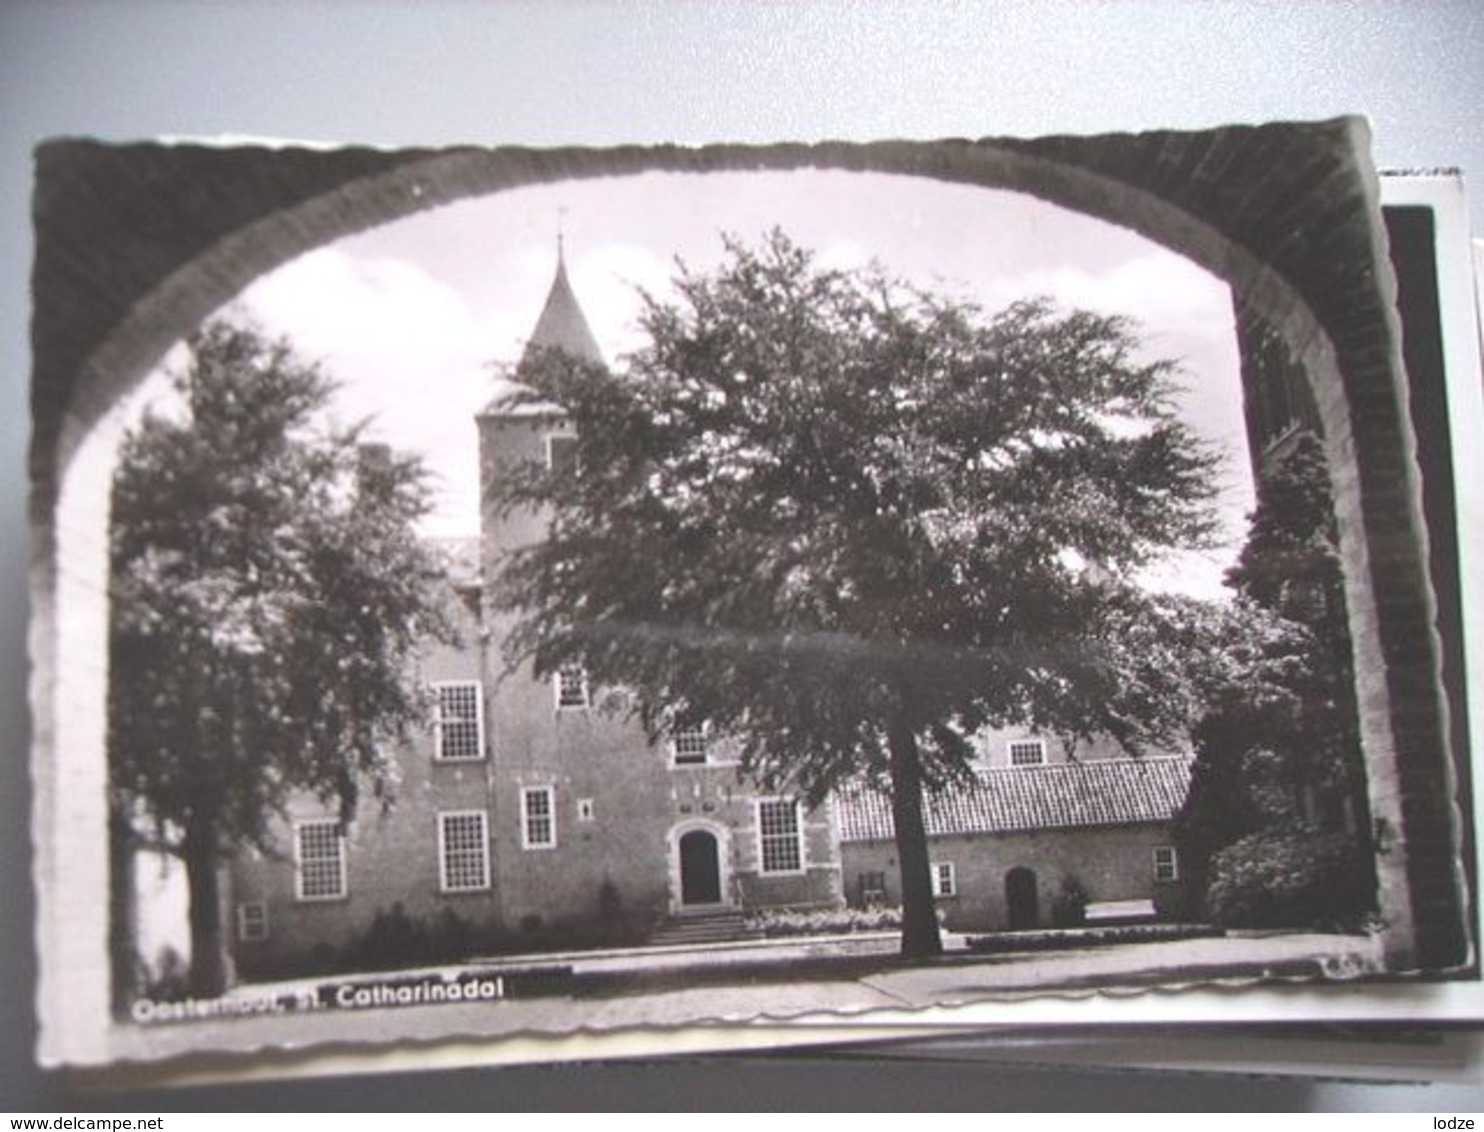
1158,288
843,255
328,301
607,280
407,349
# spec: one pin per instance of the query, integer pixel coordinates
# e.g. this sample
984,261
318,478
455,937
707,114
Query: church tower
574,791
592,821
510,433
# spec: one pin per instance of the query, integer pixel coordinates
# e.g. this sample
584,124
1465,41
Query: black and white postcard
492,595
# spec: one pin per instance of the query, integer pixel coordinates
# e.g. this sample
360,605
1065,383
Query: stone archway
135,245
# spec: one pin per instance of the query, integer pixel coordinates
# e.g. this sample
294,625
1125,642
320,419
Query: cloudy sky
410,316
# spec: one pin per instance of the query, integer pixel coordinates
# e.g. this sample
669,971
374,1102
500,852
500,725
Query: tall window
780,836
460,721
319,861
537,817
463,851
688,744
571,686
945,880
1028,752
1166,863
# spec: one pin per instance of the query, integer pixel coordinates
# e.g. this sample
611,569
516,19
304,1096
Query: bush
1069,906
396,939
777,924
1289,878
168,979
1001,943
1175,902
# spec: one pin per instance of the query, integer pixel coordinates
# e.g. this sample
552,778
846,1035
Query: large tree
267,595
852,523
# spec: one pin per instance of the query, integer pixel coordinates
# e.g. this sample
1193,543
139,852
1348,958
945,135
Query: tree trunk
123,942
920,937
208,948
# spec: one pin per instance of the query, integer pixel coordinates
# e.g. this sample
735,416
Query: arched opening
700,869
95,344
700,879
1022,901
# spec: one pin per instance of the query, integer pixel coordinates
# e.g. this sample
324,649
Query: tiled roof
1054,796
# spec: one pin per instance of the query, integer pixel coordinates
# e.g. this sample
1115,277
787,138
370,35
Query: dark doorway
700,868
1020,899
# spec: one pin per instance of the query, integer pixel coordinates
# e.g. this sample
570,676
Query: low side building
1038,832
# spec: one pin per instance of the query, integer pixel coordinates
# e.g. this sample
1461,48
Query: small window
1028,752
561,454
319,861
585,810
537,817
571,687
872,888
780,837
945,881
460,731
1166,863
252,922
463,851
688,744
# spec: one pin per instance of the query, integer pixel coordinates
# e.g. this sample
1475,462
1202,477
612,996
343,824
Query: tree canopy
853,522
267,596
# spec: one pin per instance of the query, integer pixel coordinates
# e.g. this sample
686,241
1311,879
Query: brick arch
135,245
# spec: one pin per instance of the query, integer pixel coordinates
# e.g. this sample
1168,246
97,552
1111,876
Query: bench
1105,913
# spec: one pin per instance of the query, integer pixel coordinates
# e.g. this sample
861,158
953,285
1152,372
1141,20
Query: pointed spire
562,325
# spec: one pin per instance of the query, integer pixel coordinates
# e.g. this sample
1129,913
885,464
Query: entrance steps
688,929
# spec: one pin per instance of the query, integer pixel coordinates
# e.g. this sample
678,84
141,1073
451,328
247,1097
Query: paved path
1133,965
673,987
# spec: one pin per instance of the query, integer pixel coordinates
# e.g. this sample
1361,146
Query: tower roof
562,325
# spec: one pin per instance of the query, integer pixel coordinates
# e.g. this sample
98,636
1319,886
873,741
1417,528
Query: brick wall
641,803
391,851
1109,863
